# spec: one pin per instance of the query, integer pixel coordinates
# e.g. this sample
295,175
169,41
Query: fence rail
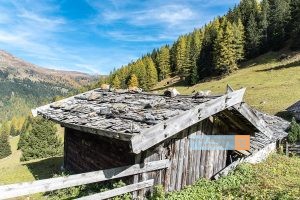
46,185
292,148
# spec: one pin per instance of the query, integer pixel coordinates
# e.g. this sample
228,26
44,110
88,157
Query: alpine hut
106,129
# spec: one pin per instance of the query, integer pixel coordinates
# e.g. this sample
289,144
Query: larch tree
116,83
181,57
239,40
164,63
224,49
133,81
195,48
152,77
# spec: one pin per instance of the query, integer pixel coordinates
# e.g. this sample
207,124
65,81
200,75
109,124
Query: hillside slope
24,85
12,67
272,84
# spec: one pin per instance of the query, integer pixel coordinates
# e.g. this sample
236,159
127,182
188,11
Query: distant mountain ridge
24,86
12,67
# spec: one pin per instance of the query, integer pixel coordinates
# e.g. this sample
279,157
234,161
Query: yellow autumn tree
133,81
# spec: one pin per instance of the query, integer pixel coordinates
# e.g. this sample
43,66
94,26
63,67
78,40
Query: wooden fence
292,148
46,185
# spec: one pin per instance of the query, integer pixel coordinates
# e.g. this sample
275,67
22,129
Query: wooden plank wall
86,152
187,165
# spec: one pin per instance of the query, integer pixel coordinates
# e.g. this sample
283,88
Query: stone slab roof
121,112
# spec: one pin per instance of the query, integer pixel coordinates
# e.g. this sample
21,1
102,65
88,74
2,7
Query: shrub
294,133
41,141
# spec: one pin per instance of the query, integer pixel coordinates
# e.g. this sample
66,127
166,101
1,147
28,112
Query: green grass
272,85
276,178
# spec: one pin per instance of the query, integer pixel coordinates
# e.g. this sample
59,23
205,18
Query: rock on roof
121,112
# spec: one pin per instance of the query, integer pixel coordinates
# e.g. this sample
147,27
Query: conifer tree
164,63
42,141
4,143
264,24
253,37
279,17
116,82
239,40
295,24
206,58
181,57
152,76
224,49
13,131
195,47
133,81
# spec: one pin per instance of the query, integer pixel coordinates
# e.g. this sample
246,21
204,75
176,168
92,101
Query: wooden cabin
106,129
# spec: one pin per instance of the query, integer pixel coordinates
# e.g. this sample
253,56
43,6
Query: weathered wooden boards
85,152
27,188
187,165
155,134
119,191
292,148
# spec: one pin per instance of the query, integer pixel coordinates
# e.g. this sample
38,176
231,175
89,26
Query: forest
248,30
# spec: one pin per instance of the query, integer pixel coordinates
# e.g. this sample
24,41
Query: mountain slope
24,85
272,83
12,67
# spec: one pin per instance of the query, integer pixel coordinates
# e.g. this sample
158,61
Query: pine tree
152,77
4,145
239,40
164,63
116,82
41,141
264,24
13,131
206,58
133,81
279,17
253,37
295,24
224,49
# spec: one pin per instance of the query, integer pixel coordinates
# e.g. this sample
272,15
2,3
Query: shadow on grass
46,168
279,67
175,84
285,115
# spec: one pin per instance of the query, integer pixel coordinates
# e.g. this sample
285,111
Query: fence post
286,148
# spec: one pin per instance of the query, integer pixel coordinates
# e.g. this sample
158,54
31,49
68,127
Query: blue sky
96,36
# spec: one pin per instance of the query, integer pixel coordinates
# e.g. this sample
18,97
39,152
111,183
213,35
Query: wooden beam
102,132
252,117
227,169
158,133
27,188
119,191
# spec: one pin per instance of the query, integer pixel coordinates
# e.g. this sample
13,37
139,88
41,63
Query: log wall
84,152
87,152
187,165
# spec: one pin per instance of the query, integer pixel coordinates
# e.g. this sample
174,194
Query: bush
41,141
294,133
4,145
